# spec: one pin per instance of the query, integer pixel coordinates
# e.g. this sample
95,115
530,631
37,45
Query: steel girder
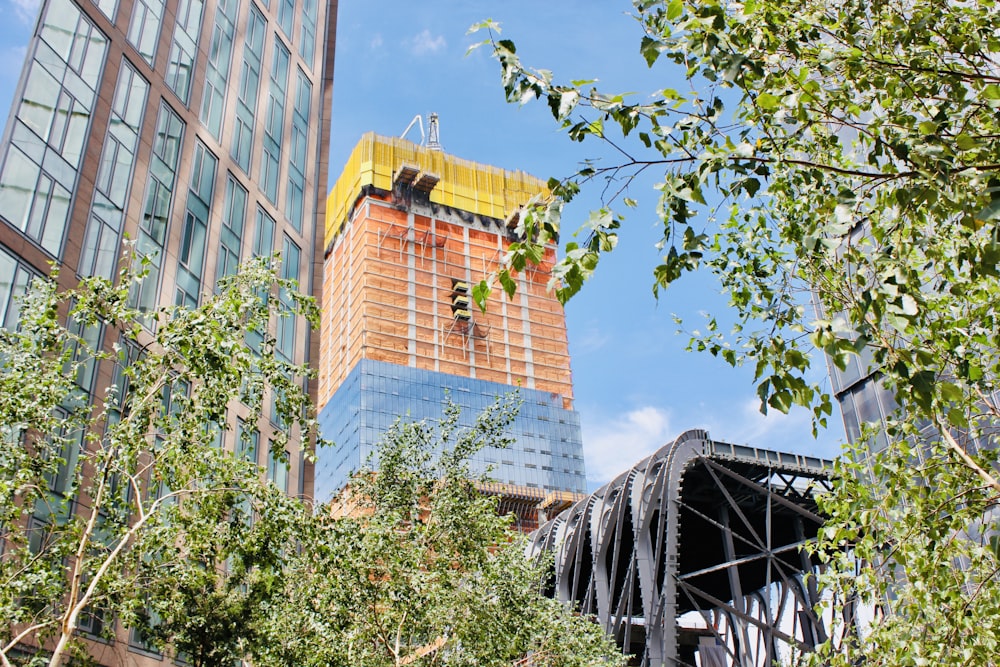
697,549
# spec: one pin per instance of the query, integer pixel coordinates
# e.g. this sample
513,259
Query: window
294,197
191,253
144,27
274,122
14,280
108,7
183,47
51,124
287,319
220,55
307,32
286,15
114,175
263,240
33,202
263,246
246,441
270,157
156,209
246,106
277,468
231,234
82,363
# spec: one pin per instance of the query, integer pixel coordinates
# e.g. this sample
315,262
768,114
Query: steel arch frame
701,541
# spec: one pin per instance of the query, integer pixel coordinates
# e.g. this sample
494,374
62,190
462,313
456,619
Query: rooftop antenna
432,139
433,135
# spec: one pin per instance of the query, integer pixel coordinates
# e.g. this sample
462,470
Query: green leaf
965,142
674,9
767,101
509,284
650,50
480,293
990,212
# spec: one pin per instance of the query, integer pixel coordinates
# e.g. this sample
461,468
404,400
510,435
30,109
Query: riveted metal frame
699,544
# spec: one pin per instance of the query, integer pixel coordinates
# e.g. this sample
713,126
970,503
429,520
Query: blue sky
636,387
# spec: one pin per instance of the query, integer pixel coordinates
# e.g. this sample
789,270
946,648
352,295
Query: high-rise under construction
409,231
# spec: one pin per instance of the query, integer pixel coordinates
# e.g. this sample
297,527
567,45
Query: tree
844,155
127,506
423,571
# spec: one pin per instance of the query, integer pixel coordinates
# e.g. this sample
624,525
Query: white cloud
426,43
25,10
376,42
790,433
614,445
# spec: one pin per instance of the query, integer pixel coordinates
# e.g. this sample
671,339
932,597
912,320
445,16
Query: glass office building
199,129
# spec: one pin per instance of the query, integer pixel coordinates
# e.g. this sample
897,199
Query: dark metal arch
697,548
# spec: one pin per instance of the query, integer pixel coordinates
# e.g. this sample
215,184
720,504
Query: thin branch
964,455
17,639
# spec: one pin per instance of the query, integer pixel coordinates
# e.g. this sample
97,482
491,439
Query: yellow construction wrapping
463,184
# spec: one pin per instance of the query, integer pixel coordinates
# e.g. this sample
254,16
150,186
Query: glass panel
183,47
286,15
55,222
263,234
114,176
108,7
144,27
307,35
41,92
17,187
14,279
59,27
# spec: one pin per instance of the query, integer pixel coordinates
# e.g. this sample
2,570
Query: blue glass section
547,452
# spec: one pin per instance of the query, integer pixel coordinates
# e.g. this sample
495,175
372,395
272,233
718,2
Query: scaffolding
422,238
462,323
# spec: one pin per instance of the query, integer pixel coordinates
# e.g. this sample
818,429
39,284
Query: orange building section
398,276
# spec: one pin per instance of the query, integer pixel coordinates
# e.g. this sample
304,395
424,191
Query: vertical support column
411,297
817,630
529,361
735,588
504,324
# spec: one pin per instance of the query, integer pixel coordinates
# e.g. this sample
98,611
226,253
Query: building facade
410,231
197,128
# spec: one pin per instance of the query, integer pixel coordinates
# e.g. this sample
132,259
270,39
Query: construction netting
463,184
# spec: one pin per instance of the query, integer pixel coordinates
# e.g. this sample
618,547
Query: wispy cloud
14,54
376,42
425,43
613,445
25,10
592,340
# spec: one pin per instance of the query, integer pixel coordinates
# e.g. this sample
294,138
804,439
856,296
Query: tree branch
964,455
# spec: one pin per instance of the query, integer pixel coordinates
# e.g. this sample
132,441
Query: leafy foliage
127,506
843,154
422,571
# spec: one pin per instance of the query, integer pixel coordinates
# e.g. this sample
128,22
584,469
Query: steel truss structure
697,551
